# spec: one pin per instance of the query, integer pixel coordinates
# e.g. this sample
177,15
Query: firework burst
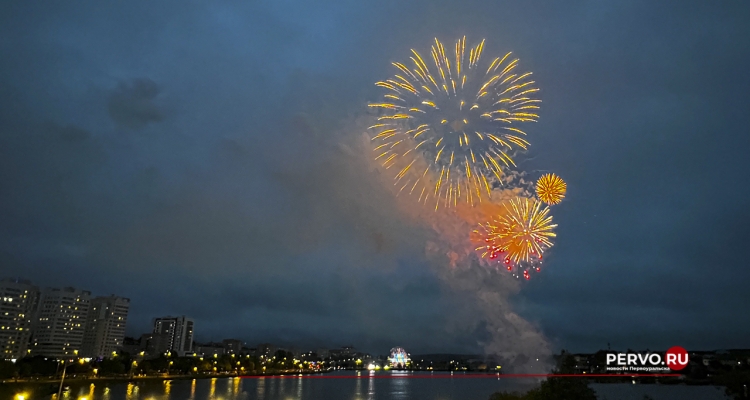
519,236
550,189
450,125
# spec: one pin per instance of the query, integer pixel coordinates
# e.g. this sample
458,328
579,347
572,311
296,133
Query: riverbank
105,379
456,387
37,388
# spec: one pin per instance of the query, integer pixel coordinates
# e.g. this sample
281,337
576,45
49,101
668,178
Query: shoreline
135,379
78,380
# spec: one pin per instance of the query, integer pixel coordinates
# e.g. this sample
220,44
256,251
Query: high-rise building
210,349
265,350
105,326
18,301
60,322
155,344
179,331
232,346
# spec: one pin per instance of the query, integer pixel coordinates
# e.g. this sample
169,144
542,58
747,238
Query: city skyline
167,333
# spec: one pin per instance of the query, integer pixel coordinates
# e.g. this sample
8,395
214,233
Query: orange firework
450,126
522,234
550,189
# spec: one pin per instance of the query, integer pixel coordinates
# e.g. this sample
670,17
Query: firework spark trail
483,296
518,343
447,132
450,127
521,233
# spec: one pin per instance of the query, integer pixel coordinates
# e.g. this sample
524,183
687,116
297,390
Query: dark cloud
131,105
255,208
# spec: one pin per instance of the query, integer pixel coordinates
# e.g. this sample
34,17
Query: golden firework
448,129
550,189
523,231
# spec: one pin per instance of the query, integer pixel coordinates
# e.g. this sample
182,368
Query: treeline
735,381
555,388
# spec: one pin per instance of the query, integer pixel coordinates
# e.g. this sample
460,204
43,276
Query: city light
398,358
257,183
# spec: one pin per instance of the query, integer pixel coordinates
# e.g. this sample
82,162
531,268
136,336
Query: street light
62,379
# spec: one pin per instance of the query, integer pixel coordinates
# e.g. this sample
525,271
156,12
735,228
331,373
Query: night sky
205,160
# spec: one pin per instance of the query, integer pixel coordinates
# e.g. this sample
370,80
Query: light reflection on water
400,386
261,391
367,386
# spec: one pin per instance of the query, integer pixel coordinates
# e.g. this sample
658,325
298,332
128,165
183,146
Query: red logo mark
677,358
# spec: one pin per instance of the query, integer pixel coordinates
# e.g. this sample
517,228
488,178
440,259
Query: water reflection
261,390
371,386
358,388
364,385
236,386
400,386
131,392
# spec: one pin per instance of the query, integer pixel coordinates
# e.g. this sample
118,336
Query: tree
571,388
36,366
736,383
111,367
7,370
507,396
280,354
556,388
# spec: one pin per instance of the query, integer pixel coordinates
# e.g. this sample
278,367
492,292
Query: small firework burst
550,189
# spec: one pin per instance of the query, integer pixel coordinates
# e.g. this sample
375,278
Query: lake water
368,386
